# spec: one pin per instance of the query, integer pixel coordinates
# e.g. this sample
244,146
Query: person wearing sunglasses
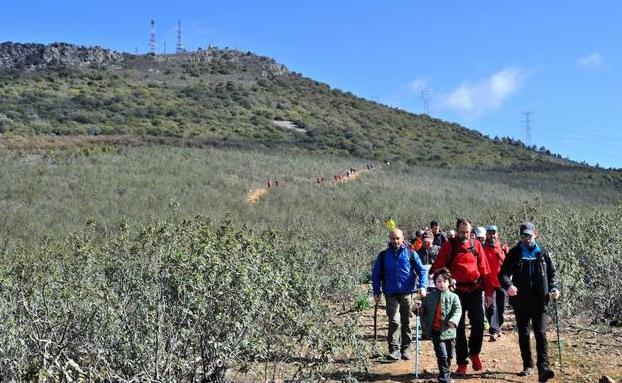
528,275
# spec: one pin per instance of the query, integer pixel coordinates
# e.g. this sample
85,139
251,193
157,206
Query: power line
527,127
425,99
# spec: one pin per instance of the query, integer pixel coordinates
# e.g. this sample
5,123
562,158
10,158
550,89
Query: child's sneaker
477,363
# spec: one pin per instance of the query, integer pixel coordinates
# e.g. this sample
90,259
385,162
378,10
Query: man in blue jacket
394,275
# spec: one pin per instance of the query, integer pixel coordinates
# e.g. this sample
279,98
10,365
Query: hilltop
232,98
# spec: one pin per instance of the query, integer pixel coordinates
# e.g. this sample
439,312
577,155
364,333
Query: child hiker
441,313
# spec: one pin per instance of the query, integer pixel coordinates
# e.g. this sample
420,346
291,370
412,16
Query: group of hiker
471,272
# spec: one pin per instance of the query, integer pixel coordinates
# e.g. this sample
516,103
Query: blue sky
478,63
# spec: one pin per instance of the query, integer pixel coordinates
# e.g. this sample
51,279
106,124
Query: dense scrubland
148,263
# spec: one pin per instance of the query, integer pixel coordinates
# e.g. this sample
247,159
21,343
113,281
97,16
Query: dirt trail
352,177
501,359
255,195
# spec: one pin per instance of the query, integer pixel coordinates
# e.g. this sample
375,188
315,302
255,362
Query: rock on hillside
39,56
31,57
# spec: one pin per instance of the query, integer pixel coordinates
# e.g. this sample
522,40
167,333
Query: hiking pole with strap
559,345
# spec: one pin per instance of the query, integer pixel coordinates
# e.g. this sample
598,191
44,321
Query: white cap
480,232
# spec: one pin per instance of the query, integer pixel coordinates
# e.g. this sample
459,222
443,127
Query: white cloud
475,98
591,61
418,85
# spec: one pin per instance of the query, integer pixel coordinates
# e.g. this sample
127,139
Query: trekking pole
375,324
417,346
559,345
416,330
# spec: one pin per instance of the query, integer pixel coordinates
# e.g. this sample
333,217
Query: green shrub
177,302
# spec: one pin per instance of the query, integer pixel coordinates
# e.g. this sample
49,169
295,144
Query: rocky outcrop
237,60
39,56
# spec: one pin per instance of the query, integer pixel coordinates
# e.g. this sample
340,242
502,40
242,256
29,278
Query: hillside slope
226,96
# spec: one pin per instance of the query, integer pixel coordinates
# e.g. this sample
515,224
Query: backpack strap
472,248
454,251
381,257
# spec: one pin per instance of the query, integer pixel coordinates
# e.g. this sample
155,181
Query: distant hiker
439,237
428,251
528,274
480,234
495,256
276,183
466,260
347,174
269,183
441,312
395,272
317,180
367,166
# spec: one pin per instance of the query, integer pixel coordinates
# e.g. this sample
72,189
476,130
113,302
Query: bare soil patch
255,195
586,356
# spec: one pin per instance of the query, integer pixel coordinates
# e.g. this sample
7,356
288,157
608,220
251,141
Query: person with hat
528,275
495,255
397,272
480,234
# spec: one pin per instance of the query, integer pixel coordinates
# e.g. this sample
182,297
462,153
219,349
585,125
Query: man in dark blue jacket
394,275
528,274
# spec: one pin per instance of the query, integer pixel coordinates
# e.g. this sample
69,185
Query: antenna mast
180,44
152,38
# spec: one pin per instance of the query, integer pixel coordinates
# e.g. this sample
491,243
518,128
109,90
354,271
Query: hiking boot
494,337
477,363
394,355
545,375
461,370
526,371
405,355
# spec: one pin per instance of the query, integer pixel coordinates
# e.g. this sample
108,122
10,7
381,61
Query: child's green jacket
450,311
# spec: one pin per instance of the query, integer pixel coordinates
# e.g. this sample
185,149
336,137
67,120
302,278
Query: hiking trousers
472,304
527,310
444,350
398,311
494,313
